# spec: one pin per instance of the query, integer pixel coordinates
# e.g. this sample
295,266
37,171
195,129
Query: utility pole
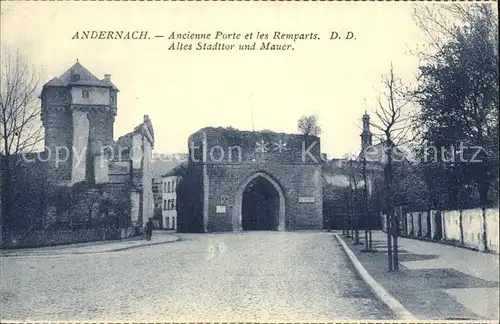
251,107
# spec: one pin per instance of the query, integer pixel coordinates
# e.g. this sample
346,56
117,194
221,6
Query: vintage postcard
249,161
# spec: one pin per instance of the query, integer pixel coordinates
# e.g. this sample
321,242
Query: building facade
257,180
157,192
169,200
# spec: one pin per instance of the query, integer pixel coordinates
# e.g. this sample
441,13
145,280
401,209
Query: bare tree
20,126
353,194
21,129
366,209
351,171
394,127
308,125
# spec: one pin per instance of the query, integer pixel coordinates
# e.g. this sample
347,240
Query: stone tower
366,134
78,113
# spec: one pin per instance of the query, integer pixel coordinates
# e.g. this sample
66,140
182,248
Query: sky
183,91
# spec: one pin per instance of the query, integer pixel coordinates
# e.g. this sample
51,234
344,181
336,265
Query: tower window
112,99
75,77
85,93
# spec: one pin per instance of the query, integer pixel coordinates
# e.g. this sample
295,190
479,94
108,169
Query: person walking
149,229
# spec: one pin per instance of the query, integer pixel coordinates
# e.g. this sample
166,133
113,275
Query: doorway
260,206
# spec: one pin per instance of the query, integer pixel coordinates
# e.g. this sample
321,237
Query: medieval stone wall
230,157
83,178
147,180
27,193
296,181
58,124
101,127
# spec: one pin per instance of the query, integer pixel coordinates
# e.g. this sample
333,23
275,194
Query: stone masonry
230,159
78,113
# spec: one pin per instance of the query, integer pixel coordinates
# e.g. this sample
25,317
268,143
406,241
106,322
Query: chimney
107,77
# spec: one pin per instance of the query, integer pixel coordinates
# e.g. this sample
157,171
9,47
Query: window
164,187
167,222
168,186
85,93
112,99
171,204
75,77
164,204
63,155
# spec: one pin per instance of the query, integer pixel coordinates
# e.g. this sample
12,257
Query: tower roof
79,75
109,83
55,82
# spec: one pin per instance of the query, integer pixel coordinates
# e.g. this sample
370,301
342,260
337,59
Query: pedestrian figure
149,229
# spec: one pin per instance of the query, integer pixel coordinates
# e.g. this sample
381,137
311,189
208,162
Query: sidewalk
435,281
158,237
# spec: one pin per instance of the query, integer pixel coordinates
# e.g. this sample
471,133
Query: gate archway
263,189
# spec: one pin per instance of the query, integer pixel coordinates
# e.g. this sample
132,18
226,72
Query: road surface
249,276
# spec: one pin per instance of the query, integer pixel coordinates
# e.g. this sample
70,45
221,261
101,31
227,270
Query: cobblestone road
253,276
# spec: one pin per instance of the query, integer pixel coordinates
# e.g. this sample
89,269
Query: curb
177,238
377,289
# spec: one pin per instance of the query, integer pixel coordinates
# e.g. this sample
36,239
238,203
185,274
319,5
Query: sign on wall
220,209
306,199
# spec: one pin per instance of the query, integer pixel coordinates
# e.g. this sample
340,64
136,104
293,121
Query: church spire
366,134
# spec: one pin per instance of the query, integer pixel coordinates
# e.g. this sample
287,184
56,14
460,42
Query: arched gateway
259,204
254,181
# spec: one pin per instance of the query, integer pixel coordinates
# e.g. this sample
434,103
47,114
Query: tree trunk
484,229
6,191
461,224
389,242
370,217
395,254
365,204
355,214
390,207
483,196
395,228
